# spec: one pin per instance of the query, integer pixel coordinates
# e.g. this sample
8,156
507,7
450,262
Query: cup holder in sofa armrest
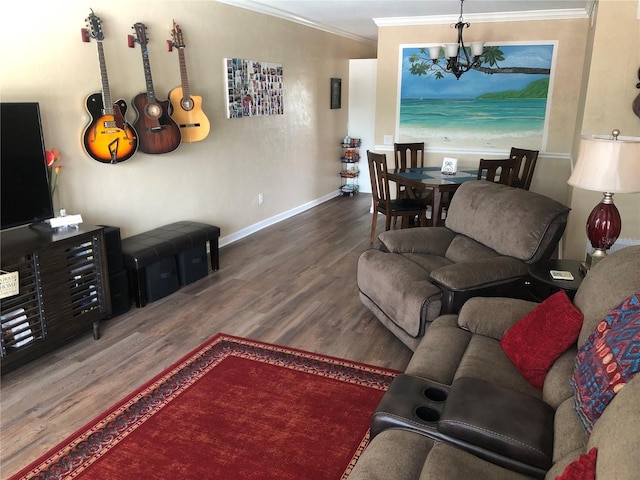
427,414
435,394
504,422
411,403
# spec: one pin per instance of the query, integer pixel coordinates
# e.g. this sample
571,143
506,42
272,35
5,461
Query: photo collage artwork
254,88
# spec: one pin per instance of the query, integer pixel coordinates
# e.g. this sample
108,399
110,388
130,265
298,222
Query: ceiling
360,19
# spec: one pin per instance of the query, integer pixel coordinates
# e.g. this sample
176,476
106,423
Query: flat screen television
24,181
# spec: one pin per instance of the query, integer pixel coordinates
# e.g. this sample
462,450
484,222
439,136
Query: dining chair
410,155
407,155
498,171
524,167
406,208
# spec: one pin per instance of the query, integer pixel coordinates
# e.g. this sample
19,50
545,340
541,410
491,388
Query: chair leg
423,218
398,195
387,226
374,222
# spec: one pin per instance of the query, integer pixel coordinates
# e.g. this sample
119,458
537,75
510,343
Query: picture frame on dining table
449,166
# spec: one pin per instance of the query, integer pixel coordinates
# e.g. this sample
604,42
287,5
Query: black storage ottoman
162,279
192,264
149,277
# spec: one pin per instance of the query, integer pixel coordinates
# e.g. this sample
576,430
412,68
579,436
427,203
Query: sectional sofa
511,389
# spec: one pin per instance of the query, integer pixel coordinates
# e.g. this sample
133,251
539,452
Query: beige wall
554,167
292,159
569,34
611,88
612,77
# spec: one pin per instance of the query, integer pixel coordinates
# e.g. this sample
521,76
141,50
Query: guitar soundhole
153,110
187,104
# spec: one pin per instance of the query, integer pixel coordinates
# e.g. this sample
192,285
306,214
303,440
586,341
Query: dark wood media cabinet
63,290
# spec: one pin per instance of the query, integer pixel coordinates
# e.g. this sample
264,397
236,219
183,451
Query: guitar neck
151,96
183,74
107,104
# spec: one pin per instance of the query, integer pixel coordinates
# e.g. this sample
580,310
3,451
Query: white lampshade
607,166
477,48
451,49
434,52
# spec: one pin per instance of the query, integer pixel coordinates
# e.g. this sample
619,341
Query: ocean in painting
473,123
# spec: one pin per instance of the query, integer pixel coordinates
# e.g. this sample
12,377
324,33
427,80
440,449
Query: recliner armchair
492,234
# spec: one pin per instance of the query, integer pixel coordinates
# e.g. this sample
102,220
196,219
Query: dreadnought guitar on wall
108,138
157,131
186,109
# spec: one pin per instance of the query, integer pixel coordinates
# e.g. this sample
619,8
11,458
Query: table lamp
607,165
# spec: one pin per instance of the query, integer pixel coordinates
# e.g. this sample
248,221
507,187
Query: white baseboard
245,232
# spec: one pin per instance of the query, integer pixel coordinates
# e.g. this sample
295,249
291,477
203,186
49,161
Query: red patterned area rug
233,409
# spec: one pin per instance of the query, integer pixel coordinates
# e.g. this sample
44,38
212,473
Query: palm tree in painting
492,55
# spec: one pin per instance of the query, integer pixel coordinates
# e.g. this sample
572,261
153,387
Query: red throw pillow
536,341
583,468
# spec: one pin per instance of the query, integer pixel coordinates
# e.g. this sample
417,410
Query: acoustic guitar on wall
186,109
157,131
108,138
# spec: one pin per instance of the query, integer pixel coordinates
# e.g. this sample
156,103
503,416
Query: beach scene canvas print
500,104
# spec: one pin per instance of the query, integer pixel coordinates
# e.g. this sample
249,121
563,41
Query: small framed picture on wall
336,93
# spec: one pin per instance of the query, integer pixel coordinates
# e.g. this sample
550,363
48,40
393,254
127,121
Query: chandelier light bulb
451,49
477,48
434,53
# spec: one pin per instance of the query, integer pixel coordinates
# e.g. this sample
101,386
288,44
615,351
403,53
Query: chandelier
457,54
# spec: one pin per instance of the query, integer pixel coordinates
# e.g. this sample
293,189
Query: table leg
436,220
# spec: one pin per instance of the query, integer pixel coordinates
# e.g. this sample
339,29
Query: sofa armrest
424,240
485,272
492,316
502,424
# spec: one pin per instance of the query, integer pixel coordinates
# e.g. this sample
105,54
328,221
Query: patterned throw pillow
607,361
541,336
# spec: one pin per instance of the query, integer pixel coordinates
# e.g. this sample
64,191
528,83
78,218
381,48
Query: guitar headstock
176,37
94,28
141,35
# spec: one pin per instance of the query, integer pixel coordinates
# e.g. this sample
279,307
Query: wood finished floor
291,284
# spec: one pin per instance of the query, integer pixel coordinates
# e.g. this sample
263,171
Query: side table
543,285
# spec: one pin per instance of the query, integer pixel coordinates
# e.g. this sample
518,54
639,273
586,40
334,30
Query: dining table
425,178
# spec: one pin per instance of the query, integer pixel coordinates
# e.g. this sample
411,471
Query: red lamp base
603,226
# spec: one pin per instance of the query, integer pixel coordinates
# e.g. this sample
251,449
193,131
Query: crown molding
275,12
559,14
541,15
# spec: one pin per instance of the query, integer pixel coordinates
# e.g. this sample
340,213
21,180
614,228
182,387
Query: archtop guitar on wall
186,109
157,131
108,138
